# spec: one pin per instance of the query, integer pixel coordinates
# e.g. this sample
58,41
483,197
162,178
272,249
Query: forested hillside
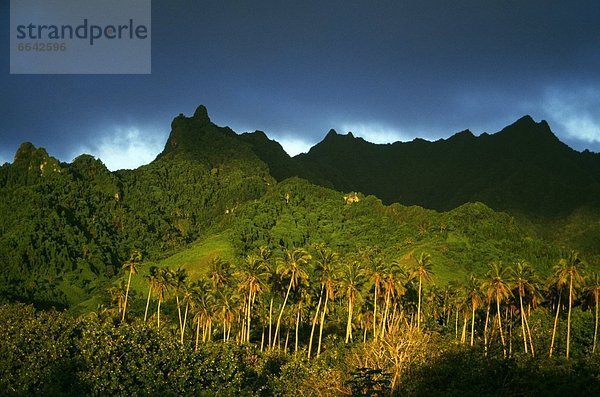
67,228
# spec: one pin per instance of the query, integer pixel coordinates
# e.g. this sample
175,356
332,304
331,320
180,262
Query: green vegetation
202,274
248,329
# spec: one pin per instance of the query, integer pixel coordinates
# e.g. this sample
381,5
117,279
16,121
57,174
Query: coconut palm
202,305
592,291
555,292
375,271
187,299
569,271
130,266
162,285
523,279
423,270
351,281
293,266
151,278
219,272
326,265
394,278
226,302
177,282
251,274
324,260
498,289
117,296
474,300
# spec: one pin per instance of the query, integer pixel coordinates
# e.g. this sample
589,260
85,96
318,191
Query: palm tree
162,285
555,292
178,283
523,279
226,302
151,278
352,279
117,295
219,272
202,302
252,274
474,300
393,285
569,270
293,265
187,299
327,262
592,290
130,266
497,288
301,311
423,270
375,271
323,262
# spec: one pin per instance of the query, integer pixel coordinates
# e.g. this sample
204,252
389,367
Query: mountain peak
27,151
527,128
201,114
331,134
526,120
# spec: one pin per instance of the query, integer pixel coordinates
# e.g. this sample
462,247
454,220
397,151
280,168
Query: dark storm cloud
387,70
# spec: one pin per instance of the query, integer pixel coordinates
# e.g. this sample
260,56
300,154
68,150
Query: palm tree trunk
158,313
555,323
455,325
287,294
569,315
385,313
523,322
147,304
126,296
321,325
262,339
530,338
472,324
375,314
510,321
596,322
500,326
270,320
249,312
297,327
419,306
463,337
287,338
197,334
314,322
179,313
349,324
184,321
485,329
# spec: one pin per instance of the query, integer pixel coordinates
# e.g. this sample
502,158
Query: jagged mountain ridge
65,229
522,168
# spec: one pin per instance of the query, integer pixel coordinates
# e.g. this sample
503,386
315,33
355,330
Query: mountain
522,168
66,229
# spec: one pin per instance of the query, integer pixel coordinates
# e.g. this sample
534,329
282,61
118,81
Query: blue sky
385,70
